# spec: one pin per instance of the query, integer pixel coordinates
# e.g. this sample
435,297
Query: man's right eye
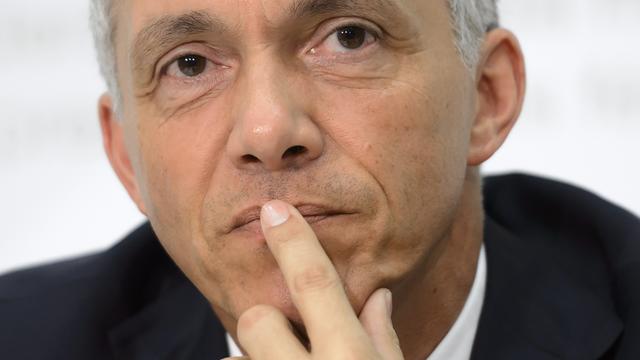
188,66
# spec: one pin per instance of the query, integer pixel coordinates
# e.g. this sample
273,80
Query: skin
378,147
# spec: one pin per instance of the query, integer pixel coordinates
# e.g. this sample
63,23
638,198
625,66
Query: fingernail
274,213
388,299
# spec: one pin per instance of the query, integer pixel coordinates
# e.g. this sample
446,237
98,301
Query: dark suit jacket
563,282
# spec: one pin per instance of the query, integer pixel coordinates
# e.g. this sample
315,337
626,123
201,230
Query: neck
427,303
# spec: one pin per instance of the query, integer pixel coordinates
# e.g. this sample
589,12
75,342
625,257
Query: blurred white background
59,197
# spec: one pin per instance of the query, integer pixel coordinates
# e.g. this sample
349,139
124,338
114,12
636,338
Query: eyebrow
170,29
305,8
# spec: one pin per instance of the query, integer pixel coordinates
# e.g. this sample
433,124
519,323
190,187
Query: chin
256,278
272,290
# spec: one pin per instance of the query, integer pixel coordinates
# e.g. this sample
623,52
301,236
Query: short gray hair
471,19
102,25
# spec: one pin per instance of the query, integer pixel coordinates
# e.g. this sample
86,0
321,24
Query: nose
272,130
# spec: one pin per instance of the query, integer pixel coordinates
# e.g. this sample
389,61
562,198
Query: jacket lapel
534,310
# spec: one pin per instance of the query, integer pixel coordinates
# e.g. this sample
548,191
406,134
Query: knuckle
252,317
314,278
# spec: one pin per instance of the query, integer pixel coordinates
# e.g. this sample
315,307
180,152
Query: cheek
408,141
178,156
181,152
414,146
184,166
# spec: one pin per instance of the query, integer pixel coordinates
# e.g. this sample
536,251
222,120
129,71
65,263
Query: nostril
294,151
250,158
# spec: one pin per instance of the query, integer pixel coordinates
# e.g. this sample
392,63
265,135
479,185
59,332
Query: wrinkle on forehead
278,11
273,12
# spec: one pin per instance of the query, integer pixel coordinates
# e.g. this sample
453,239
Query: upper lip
307,210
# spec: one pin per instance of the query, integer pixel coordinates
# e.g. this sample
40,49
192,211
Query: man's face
357,112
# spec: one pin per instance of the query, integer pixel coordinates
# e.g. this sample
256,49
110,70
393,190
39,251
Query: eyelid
196,48
329,27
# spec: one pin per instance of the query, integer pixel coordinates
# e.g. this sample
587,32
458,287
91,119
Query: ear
113,139
500,86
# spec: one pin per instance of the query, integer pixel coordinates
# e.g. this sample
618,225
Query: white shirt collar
458,342
234,350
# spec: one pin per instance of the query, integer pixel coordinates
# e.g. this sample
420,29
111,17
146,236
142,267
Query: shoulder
561,213
79,272
537,194
71,304
581,248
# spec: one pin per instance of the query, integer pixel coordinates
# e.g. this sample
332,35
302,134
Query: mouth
249,220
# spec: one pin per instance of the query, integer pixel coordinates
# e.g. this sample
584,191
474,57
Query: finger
265,333
313,282
375,317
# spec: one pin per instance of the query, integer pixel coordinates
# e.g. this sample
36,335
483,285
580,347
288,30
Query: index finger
314,284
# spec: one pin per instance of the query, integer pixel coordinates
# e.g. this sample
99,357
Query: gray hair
103,29
471,19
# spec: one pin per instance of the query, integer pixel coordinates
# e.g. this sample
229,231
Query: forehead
132,16
146,27
269,9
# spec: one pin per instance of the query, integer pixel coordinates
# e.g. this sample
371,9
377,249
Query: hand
334,330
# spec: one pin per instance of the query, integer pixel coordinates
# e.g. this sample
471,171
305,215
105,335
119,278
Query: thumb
375,318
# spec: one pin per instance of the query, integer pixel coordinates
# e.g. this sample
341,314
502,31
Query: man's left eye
348,38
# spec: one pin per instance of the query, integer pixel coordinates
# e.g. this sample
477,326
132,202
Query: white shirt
458,342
